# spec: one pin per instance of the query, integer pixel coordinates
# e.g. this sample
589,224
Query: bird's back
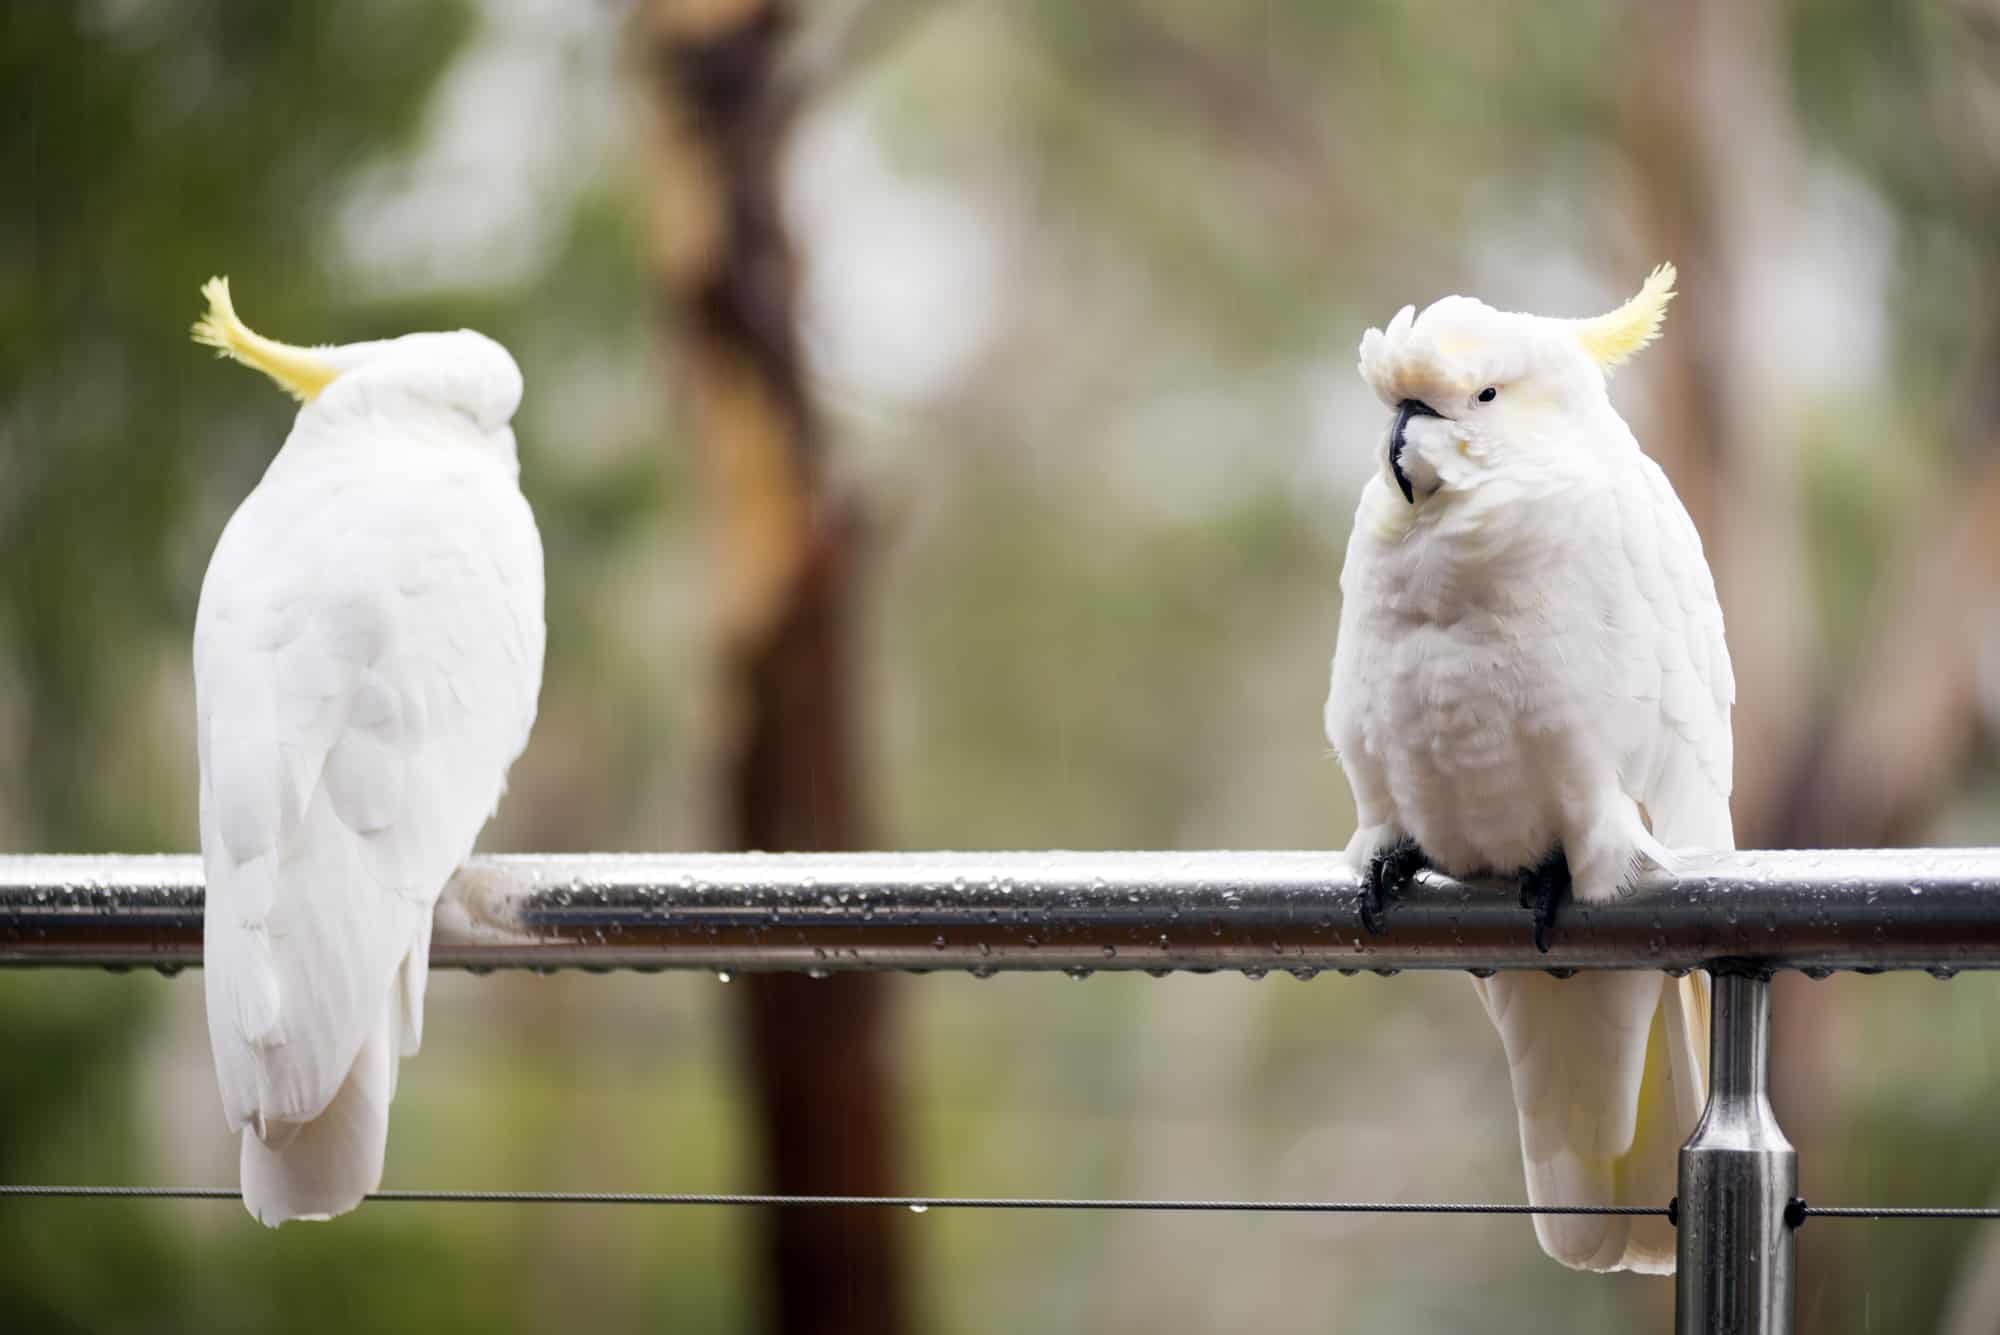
368,653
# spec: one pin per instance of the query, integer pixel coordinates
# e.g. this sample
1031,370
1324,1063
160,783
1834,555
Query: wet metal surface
1936,909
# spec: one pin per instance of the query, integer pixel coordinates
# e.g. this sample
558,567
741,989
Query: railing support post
1738,1180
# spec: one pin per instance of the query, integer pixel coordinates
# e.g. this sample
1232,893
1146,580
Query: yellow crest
1611,339
295,370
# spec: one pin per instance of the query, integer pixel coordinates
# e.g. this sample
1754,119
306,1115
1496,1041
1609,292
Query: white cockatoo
367,657
1531,680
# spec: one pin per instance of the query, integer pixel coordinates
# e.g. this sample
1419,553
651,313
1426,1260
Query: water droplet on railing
722,975
918,1207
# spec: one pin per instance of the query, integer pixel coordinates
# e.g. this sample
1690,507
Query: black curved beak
1405,410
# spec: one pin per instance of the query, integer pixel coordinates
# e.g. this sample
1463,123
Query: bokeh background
1056,304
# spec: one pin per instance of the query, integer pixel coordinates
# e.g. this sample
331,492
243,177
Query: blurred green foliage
144,148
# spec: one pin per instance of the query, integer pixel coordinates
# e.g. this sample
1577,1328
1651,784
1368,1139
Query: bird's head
1474,390
449,387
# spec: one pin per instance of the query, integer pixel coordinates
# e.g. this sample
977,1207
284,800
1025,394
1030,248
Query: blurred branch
1889,747
843,41
1981,21
1127,48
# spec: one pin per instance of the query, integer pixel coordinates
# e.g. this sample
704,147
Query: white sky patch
903,275
528,115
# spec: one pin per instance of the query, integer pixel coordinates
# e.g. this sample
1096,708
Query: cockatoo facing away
367,657
1530,680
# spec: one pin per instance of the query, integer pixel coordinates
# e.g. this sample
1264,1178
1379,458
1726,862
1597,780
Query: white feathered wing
368,653
1609,1070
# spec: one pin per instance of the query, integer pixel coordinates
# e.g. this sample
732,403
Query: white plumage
367,655
1530,656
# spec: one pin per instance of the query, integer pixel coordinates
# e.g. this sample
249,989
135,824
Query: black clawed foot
1544,889
1389,873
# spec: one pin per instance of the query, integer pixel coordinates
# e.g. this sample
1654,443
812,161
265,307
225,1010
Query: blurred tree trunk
1861,762
1709,133
818,1050
1709,130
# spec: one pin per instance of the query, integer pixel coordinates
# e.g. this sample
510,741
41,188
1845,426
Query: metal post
1738,1178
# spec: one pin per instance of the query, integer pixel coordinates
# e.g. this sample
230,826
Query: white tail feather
1596,1128
321,1168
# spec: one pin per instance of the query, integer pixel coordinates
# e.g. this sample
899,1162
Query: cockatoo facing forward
367,657
1531,681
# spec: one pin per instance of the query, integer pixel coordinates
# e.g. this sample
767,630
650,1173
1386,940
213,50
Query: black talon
1389,873
1544,888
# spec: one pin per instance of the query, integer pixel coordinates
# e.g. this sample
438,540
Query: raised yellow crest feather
1611,339
295,370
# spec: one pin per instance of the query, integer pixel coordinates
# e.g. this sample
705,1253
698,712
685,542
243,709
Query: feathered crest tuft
295,370
1611,339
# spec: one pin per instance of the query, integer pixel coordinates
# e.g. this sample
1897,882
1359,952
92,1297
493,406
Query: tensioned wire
916,1203
923,1203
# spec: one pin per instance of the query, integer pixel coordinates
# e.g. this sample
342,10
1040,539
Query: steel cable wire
921,1204
915,1203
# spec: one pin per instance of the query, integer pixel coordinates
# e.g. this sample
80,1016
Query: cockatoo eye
1490,393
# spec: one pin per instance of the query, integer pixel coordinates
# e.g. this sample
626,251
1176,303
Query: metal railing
1740,915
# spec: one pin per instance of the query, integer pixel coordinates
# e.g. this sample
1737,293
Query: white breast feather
1489,659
